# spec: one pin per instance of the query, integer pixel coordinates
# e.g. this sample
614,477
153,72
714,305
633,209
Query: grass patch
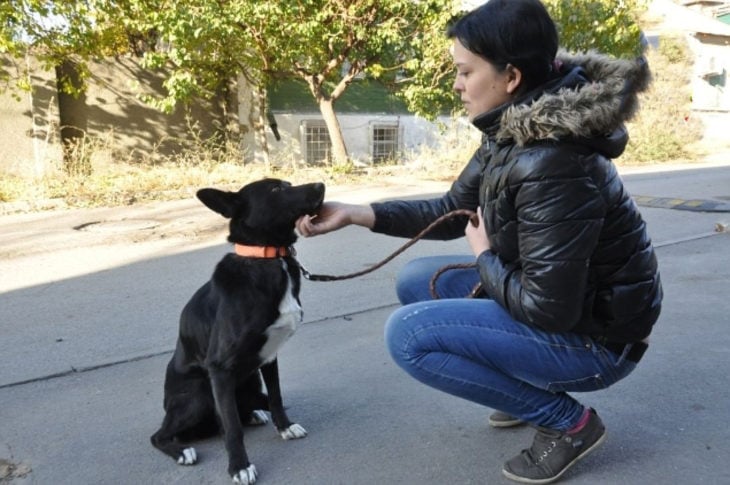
114,181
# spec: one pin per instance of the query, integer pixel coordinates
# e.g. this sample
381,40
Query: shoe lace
546,452
545,442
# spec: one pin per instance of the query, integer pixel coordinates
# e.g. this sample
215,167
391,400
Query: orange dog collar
261,251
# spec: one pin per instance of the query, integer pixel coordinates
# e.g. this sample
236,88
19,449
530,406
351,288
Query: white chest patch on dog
290,317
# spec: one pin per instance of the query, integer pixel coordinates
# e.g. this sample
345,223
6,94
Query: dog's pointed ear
219,201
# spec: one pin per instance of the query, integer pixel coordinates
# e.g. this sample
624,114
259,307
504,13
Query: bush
663,129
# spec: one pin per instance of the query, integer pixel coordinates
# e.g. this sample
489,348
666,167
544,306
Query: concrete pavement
88,317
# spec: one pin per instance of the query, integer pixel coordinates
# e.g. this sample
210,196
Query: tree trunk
226,104
37,129
339,150
252,101
73,117
260,127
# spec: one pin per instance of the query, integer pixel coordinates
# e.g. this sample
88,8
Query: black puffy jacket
569,248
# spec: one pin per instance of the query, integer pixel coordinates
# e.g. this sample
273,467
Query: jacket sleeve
559,216
406,218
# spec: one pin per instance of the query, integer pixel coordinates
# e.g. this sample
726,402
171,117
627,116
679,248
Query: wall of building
710,89
416,133
27,123
118,121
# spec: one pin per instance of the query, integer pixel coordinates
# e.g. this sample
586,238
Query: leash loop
432,285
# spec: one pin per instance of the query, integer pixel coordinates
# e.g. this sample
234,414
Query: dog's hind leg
284,426
165,441
184,417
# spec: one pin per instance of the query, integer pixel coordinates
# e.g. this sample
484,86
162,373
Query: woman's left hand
477,235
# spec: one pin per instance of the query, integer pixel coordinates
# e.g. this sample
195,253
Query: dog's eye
276,188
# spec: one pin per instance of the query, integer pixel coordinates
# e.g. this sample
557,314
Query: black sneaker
553,452
498,419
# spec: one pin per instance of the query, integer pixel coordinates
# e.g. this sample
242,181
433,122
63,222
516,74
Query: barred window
385,141
316,143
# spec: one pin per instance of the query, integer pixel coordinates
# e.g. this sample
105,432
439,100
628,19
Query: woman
569,277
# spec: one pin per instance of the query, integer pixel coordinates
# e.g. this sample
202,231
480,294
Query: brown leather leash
432,284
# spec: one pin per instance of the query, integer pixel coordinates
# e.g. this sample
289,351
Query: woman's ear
514,78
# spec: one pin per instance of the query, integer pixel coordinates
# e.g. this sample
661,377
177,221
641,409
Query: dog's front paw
294,431
258,417
187,457
246,476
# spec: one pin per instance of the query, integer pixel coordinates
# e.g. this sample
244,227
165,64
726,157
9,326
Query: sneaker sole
506,424
517,478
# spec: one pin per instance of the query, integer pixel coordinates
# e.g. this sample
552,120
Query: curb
696,205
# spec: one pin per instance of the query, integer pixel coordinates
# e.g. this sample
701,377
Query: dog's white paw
293,432
246,476
258,417
188,457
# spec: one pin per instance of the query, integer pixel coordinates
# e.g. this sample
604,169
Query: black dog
233,326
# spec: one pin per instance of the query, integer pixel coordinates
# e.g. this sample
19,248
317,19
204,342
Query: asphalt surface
88,316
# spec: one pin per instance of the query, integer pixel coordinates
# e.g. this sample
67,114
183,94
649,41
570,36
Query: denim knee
397,334
414,279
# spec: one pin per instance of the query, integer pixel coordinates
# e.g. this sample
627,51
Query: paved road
88,317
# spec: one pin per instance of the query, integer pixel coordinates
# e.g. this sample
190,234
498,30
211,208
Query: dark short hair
516,32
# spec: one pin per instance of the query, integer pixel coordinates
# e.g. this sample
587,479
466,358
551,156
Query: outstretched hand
333,216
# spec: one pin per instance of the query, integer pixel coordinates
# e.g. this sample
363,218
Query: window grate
385,142
317,143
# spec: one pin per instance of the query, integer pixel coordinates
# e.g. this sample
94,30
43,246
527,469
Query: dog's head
264,212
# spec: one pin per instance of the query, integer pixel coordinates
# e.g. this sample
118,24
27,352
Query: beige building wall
27,141
118,121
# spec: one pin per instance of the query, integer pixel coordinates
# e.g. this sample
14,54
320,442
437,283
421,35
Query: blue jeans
473,349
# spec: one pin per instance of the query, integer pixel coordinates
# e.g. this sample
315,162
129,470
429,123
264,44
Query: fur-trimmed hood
589,102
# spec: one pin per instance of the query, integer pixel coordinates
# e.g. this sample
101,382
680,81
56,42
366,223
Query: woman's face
479,84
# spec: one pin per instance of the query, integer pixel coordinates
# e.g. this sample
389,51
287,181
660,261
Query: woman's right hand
333,216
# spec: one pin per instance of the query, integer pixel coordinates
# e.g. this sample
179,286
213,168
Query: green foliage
428,73
664,128
8,23
55,31
199,42
607,26
327,44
